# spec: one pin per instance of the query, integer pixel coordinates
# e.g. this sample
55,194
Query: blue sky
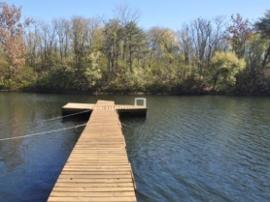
165,13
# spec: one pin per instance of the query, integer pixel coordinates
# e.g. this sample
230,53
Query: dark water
187,149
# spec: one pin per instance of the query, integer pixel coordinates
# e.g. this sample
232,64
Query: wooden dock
130,110
98,168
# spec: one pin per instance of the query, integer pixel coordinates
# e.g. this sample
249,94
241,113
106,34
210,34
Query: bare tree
48,45
240,31
126,15
62,29
185,41
207,37
33,45
263,26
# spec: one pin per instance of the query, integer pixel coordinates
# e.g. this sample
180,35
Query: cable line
43,133
50,119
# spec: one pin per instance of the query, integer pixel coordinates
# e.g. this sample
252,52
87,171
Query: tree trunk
266,56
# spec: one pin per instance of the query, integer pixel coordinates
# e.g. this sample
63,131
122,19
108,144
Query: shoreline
130,93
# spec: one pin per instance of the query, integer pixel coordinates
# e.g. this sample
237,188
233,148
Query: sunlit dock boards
132,110
98,168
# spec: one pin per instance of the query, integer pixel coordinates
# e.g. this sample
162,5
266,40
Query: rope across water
51,131
42,133
56,130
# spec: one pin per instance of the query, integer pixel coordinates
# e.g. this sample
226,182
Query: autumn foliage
11,36
117,55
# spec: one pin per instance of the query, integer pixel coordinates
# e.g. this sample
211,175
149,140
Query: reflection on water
187,149
30,166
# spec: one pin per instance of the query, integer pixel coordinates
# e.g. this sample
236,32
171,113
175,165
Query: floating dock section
98,168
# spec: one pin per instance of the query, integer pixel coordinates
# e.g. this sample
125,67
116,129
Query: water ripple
202,149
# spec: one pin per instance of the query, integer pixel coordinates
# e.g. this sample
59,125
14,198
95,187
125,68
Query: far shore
131,93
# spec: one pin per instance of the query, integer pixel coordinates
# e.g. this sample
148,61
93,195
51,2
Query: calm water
187,149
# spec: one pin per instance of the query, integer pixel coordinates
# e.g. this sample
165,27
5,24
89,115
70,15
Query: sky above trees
172,14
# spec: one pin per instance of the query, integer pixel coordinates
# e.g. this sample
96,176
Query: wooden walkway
98,168
121,109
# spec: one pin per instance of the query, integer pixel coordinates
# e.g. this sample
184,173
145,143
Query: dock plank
121,109
98,168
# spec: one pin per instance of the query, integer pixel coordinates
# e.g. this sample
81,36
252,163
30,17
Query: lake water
208,148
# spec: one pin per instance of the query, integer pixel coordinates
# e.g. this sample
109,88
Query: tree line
117,55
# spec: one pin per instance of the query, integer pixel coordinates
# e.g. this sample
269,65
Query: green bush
224,68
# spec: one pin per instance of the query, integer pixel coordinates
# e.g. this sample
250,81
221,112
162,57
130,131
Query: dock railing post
138,99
